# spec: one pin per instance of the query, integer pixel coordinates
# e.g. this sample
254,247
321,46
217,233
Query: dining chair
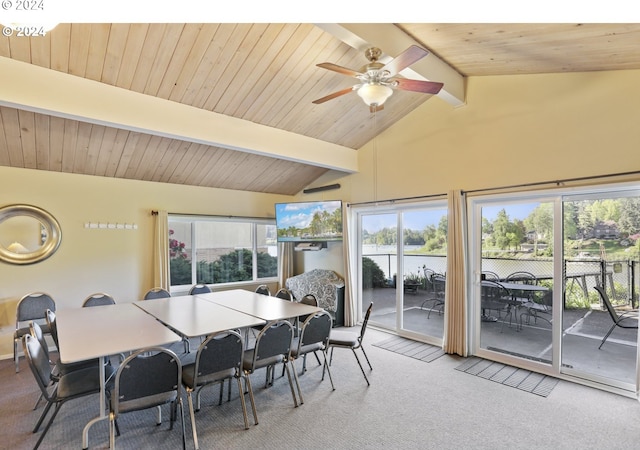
351,340
199,289
284,294
148,378
272,347
219,358
70,386
314,337
58,368
628,319
263,289
98,299
156,292
32,306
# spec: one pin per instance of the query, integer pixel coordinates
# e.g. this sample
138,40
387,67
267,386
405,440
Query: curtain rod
393,200
556,182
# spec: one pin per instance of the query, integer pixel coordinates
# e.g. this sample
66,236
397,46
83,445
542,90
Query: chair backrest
274,339
155,293
284,294
316,328
149,377
219,352
490,276
494,291
199,289
605,299
98,299
365,322
37,333
522,277
309,299
33,306
263,289
50,317
38,362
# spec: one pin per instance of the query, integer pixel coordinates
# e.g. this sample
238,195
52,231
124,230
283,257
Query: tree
540,221
501,230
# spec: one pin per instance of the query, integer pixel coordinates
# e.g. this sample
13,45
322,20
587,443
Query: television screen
309,221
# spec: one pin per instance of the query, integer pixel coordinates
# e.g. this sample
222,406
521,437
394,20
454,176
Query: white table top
192,316
87,333
259,305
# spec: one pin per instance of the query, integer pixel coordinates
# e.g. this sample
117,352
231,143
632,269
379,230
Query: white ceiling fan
378,80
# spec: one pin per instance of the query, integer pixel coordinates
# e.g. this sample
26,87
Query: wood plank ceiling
261,73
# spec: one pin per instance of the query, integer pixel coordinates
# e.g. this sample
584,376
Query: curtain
350,268
455,306
285,263
161,251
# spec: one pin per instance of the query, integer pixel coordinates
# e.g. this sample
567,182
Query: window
220,250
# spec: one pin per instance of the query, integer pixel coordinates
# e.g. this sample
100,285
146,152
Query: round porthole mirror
28,234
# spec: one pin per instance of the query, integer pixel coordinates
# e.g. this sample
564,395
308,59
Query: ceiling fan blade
332,96
405,59
426,87
339,69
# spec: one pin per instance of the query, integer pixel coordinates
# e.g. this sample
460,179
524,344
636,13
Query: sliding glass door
403,264
536,263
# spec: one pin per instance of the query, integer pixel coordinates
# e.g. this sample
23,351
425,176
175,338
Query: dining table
259,305
192,316
101,331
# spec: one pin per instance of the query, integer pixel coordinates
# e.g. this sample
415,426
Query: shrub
372,274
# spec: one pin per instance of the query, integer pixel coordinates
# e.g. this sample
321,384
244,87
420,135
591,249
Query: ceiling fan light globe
374,94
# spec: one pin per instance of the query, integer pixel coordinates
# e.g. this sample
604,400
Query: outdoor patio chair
538,308
628,319
495,297
435,288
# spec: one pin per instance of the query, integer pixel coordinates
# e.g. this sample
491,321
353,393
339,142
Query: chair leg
293,392
361,368
326,366
112,433
15,355
295,376
607,335
193,418
42,416
247,381
46,428
243,403
184,437
366,357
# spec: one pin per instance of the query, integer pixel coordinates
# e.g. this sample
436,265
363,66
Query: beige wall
98,260
514,129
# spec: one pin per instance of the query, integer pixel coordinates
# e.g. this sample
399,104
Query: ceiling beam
393,41
37,89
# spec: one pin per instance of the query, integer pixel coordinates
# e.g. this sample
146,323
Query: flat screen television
316,221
